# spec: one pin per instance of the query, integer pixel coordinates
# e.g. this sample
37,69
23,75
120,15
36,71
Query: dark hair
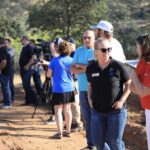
144,42
32,40
2,41
64,48
8,40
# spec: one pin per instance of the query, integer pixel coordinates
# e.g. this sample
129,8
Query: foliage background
48,19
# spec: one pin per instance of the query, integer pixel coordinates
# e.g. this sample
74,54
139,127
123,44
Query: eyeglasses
105,49
87,37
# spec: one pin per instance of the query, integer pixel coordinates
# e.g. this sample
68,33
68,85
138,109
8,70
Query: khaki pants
75,107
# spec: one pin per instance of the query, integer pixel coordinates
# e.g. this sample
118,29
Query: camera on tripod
43,49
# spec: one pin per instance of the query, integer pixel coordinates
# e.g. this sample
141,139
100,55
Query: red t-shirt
143,73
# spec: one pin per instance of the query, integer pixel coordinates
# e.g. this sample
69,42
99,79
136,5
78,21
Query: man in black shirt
106,96
4,74
37,70
26,60
11,54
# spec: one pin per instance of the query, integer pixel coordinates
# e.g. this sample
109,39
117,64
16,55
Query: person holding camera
26,60
4,75
62,88
11,54
37,70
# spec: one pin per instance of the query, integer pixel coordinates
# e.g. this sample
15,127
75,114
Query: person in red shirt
141,78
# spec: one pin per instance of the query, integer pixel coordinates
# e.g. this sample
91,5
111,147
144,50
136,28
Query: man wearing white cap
105,29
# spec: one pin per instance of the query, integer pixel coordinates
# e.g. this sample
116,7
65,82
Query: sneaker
76,128
6,106
89,148
51,120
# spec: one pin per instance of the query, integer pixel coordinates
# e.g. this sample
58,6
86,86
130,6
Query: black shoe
88,148
76,128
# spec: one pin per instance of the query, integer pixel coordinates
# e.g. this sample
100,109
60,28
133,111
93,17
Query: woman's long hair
144,42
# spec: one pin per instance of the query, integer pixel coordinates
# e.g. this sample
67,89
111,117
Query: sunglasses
87,37
105,49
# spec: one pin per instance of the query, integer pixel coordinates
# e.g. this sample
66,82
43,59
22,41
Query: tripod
45,96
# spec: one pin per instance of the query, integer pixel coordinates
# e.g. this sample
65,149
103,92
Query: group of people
104,84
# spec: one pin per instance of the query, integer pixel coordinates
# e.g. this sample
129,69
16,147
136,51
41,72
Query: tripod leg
34,111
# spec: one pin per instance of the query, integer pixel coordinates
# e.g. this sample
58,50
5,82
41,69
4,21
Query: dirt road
18,131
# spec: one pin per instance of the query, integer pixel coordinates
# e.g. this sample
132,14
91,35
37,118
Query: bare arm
126,92
78,68
49,73
3,64
90,95
137,87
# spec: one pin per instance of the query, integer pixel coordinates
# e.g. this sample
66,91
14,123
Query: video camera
43,48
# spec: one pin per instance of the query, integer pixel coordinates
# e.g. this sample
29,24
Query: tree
66,17
10,28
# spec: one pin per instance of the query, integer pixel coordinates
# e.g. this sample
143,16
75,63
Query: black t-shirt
25,55
107,84
5,56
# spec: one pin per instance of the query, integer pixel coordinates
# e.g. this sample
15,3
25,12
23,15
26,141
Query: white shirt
117,51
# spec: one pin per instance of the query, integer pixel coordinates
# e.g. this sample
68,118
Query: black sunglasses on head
141,38
105,49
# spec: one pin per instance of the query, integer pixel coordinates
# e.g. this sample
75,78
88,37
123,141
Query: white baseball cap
104,25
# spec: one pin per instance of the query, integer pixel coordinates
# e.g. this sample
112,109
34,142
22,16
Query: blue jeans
108,127
30,96
5,86
11,77
86,114
37,81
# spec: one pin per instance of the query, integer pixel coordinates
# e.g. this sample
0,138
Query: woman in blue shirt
63,88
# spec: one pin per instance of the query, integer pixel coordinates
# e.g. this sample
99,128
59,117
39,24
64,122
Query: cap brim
93,27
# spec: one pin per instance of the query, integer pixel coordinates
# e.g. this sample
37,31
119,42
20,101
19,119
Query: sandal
66,134
57,136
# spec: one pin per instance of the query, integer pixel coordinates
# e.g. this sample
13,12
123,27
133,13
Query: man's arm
3,64
78,68
31,61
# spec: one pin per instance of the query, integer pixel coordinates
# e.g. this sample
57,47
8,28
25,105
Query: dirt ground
18,131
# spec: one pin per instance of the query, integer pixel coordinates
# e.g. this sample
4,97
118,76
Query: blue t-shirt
62,78
82,56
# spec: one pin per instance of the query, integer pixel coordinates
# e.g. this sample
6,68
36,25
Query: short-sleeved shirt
25,55
143,73
11,54
62,79
4,56
117,51
106,84
82,56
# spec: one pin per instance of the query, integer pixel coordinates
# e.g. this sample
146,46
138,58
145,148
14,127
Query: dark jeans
30,95
37,81
5,86
11,77
108,127
86,113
